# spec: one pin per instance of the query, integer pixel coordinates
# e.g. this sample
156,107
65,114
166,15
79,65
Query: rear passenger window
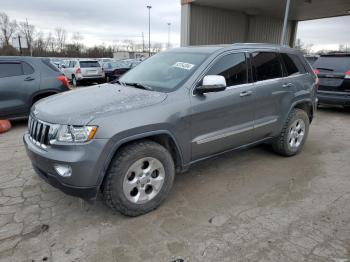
293,65
266,65
10,69
27,68
233,67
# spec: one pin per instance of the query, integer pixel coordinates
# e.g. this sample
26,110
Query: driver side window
233,67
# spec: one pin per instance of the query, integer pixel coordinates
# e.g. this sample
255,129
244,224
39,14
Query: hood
80,106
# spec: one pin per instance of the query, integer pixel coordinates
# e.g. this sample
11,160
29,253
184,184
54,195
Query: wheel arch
162,137
42,94
305,105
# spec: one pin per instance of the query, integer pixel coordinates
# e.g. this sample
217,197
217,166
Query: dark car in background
115,69
333,71
25,80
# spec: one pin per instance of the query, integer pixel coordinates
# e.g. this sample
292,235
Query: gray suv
128,139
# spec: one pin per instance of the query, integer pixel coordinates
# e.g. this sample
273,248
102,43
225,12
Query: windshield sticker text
182,65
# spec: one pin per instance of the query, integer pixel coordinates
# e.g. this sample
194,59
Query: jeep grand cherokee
127,139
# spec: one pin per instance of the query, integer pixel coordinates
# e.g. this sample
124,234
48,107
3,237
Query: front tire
294,133
139,178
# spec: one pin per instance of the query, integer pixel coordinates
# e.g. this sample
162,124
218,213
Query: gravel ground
245,206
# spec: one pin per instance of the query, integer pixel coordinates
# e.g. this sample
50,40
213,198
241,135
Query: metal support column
285,23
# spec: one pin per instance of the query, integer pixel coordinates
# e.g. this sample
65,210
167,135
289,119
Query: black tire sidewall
124,163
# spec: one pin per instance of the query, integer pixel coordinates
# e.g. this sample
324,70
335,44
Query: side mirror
212,83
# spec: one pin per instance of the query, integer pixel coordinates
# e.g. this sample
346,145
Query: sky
109,21
101,21
326,33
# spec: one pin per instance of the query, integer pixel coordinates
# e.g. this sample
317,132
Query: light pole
149,30
169,24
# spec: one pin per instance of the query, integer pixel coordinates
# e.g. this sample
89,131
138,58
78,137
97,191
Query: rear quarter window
27,68
48,64
293,64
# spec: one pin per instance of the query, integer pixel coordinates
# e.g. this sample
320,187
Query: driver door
223,120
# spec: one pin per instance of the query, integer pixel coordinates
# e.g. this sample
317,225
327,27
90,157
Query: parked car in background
333,71
128,138
114,70
24,81
109,67
104,60
83,70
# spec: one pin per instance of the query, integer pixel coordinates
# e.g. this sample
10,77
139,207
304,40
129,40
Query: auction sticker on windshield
182,65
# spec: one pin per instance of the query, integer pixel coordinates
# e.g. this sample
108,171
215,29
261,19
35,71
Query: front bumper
86,161
333,98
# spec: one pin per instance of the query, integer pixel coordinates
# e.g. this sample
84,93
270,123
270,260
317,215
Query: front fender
116,142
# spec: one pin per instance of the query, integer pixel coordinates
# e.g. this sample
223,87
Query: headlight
75,134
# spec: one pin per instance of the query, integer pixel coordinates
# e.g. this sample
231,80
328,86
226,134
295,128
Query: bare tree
305,48
50,42
28,31
39,44
61,36
77,38
7,29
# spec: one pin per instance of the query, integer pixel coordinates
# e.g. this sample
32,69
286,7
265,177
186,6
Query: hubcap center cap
143,180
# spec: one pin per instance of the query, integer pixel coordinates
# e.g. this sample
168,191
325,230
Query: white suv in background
83,70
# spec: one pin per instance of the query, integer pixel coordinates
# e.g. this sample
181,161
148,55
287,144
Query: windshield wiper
118,82
326,69
138,85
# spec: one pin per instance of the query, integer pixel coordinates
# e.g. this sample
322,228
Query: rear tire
139,178
294,133
75,81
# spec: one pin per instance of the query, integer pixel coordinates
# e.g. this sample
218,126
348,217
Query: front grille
38,132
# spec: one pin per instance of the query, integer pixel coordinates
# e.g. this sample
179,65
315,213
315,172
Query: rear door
271,94
223,120
334,73
297,80
18,81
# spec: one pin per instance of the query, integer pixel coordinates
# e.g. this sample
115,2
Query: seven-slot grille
38,132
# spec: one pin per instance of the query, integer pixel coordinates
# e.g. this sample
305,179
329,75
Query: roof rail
262,44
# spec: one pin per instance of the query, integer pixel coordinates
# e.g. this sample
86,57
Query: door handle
245,93
29,78
287,85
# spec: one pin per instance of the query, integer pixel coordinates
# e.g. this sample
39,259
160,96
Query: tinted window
300,65
10,69
291,68
339,64
27,68
266,65
86,64
233,67
48,63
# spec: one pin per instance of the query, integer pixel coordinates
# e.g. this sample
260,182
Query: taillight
63,80
347,75
78,71
317,80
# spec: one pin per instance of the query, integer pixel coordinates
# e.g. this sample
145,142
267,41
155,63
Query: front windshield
166,71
